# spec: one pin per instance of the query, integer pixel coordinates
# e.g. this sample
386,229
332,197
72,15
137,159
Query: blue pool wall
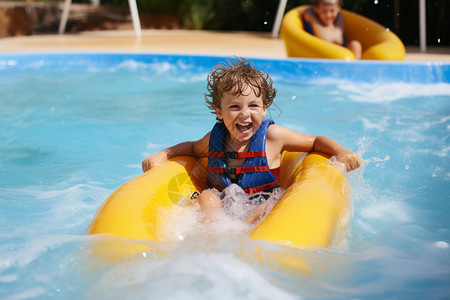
294,69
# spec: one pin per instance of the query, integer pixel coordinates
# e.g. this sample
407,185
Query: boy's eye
234,107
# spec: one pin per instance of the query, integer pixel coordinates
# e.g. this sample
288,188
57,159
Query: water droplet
441,244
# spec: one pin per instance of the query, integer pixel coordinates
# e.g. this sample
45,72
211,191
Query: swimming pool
76,126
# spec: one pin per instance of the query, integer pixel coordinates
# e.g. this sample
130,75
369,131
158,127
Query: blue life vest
254,176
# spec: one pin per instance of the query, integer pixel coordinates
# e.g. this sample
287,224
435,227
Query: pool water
74,127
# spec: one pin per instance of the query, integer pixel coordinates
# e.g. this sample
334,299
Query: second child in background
325,21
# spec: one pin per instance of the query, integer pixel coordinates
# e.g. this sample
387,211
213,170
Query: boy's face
242,114
327,12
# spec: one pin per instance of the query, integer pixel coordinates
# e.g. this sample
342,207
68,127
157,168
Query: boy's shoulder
274,131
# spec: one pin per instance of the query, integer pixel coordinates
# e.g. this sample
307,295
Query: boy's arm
198,149
329,146
286,139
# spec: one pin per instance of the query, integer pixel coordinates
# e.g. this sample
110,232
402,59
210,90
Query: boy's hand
153,160
351,160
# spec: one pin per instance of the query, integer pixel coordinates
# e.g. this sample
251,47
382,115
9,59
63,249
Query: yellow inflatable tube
312,213
378,43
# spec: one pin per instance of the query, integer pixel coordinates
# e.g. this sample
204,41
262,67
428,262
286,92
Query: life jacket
254,176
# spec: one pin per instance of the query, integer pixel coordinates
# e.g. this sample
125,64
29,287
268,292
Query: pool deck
247,44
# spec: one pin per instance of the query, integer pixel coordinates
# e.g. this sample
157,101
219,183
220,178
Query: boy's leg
356,48
256,214
210,206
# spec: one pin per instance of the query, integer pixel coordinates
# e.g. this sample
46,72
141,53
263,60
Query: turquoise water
75,127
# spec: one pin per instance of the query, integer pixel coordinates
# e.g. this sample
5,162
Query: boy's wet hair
234,77
327,2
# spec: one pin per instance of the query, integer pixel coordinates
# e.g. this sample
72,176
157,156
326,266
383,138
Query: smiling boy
244,148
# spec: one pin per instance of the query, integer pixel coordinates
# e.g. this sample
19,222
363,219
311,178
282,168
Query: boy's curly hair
234,77
326,2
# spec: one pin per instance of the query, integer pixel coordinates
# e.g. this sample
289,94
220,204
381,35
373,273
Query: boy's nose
245,112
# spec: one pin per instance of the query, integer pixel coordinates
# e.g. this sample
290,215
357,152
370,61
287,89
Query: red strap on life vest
261,188
237,155
238,170
257,189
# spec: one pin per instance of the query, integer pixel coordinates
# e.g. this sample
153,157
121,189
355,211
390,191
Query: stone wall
27,18
14,20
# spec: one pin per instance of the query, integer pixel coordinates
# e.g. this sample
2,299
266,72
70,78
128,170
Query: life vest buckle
231,154
230,170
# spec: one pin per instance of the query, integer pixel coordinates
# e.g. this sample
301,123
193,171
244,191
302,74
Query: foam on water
73,135
379,93
197,275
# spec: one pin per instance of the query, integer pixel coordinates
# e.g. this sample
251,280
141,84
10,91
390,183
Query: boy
325,21
244,148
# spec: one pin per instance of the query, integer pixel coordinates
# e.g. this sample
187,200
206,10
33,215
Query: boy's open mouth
242,127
